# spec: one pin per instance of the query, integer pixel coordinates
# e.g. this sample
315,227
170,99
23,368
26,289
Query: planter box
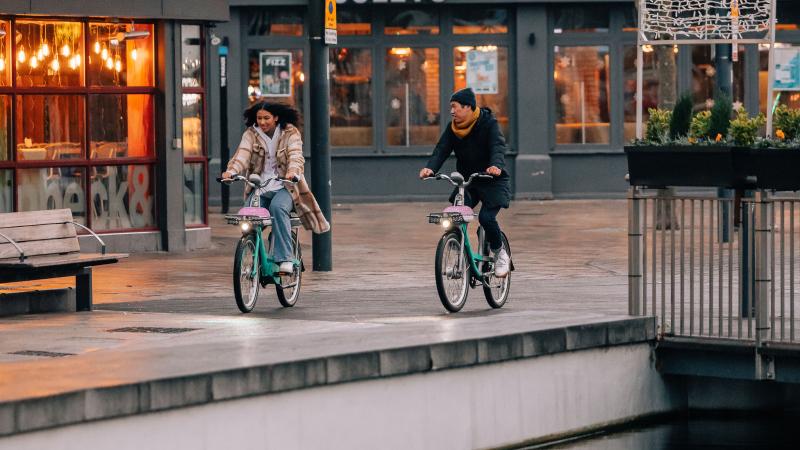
662,166
774,168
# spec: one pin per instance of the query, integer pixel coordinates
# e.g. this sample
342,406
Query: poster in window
787,69
482,71
275,74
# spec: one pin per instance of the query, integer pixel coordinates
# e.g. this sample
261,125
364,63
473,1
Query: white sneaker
501,263
286,267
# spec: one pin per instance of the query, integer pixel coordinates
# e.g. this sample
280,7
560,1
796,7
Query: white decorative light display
704,22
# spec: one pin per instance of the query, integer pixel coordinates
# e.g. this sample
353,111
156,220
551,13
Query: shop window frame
202,91
85,162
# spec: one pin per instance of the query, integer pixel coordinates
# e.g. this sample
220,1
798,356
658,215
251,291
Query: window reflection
122,197
284,21
351,97
49,127
704,74
193,194
581,19
49,53
480,20
582,105
6,191
5,53
5,127
412,94
191,66
660,80
192,113
120,55
296,77
53,188
119,126
411,21
353,21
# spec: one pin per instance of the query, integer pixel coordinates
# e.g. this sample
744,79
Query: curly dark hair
284,113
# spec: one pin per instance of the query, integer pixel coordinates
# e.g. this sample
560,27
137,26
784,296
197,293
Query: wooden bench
44,244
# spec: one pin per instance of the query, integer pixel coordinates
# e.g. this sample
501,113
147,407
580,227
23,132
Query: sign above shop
275,74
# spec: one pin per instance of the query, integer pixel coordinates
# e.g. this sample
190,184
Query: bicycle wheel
497,292
245,284
289,294
452,272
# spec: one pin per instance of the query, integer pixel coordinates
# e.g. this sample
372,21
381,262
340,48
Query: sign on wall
275,74
330,22
787,69
482,71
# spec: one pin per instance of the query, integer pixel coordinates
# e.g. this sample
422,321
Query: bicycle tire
245,288
499,298
287,301
444,279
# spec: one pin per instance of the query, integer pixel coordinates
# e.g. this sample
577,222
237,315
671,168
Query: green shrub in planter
657,131
701,123
681,117
720,117
744,130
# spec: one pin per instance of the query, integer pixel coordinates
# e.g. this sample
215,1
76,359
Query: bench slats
48,247
22,219
78,259
39,233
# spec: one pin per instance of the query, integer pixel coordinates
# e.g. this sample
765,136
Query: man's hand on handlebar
494,171
425,173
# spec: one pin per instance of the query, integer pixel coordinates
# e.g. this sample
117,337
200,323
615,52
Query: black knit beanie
466,97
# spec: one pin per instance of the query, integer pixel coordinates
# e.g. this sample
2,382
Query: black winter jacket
482,148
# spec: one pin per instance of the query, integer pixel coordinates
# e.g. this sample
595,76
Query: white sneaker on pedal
501,263
286,267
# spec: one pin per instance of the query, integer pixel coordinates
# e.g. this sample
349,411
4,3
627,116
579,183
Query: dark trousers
488,220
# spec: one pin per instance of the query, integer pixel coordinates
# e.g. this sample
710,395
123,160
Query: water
700,433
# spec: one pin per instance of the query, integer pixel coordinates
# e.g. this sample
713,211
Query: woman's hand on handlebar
226,175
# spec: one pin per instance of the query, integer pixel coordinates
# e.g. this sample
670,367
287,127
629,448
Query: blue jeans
280,205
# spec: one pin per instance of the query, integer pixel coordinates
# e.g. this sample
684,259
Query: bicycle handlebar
294,180
457,182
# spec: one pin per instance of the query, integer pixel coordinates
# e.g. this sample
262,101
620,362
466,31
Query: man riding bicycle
479,145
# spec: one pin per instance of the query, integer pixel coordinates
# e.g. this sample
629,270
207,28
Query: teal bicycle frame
271,275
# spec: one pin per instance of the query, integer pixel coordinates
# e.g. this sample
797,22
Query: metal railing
714,267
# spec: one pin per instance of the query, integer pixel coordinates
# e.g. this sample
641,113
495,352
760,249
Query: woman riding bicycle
479,146
272,147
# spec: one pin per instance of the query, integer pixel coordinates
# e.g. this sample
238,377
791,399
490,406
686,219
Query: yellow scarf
463,130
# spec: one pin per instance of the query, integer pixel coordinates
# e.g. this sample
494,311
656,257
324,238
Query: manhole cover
151,330
41,353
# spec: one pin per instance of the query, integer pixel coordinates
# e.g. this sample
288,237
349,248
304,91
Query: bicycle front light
245,227
446,223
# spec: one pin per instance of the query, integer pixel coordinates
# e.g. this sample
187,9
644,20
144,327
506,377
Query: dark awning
210,10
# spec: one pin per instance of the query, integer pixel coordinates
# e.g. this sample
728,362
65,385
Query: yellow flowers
780,134
692,140
718,138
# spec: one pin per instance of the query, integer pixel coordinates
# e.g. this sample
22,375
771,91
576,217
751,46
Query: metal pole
639,75
320,126
763,279
224,151
771,67
724,85
634,252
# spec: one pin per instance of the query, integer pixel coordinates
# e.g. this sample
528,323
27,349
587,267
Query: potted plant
684,150
775,162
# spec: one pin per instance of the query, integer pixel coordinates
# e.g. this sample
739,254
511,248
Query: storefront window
46,53
119,55
6,191
351,97
660,82
411,21
484,68
582,102
276,76
122,197
704,77
193,194
53,188
412,96
49,127
353,21
193,125
480,20
5,53
5,127
282,21
581,19
788,98
119,126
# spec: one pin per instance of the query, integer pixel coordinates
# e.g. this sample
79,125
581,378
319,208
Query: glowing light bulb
55,65
118,65
34,62
302,77
104,54
2,64
21,56
109,63
66,51
77,60
134,54
97,47
40,54
45,49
